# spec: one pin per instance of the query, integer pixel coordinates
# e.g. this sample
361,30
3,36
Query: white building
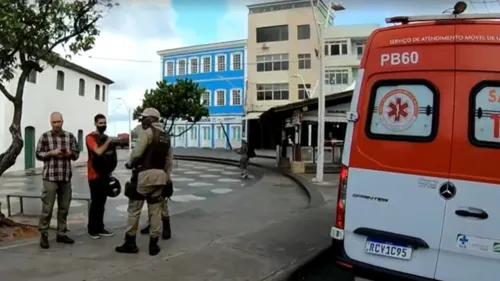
344,47
78,93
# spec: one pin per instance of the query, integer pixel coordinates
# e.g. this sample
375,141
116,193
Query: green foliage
32,29
179,100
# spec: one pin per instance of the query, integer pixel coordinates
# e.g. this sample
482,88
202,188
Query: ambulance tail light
341,198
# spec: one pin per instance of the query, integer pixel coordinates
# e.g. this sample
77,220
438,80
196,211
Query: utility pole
326,10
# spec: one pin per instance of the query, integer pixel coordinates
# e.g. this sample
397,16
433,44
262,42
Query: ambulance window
484,127
403,110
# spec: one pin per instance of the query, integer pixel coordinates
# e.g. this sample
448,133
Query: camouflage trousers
157,209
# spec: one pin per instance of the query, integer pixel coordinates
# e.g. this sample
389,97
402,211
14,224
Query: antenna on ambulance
459,8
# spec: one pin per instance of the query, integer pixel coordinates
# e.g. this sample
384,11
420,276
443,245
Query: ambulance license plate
386,249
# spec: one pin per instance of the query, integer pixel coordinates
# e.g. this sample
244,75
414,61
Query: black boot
44,240
154,249
128,247
145,230
167,232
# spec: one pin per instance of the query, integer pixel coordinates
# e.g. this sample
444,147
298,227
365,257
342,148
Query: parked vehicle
419,189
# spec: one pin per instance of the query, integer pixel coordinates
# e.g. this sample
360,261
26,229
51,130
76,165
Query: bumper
365,270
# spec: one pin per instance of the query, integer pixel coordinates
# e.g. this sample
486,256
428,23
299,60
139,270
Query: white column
309,135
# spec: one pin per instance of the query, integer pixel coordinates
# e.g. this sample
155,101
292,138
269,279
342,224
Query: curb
314,196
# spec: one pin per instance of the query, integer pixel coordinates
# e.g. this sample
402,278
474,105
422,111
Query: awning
253,115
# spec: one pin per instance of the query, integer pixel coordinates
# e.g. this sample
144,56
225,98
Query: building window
303,32
303,91
484,116
169,68
193,66
220,63
206,64
205,98
360,48
194,133
272,33
180,133
181,67
97,92
220,133
236,133
81,87
272,62
60,80
336,48
336,76
206,133
103,93
220,97
304,61
32,76
236,97
236,61
272,92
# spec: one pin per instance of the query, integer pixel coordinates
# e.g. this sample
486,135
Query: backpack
105,163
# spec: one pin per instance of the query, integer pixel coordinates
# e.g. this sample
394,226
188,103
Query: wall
42,98
354,35
215,80
231,113
293,47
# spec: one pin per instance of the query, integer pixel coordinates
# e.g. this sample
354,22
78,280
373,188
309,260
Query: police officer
165,218
152,159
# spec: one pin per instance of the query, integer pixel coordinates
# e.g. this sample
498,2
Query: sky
131,35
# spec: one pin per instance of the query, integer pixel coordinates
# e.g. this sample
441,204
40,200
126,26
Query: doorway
29,147
80,140
206,138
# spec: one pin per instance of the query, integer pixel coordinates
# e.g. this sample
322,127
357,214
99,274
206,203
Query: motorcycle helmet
114,187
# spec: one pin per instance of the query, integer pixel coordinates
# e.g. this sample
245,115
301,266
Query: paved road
323,269
194,184
251,233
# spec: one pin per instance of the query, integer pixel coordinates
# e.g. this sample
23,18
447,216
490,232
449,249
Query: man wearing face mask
101,162
152,160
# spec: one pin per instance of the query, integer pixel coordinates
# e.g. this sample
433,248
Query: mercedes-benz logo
447,190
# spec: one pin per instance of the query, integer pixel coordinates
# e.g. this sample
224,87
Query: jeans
98,197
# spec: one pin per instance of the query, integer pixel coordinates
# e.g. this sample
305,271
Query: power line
484,2
473,6
159,61
486,5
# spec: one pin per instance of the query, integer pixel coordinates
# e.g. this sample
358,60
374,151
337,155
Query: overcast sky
133,32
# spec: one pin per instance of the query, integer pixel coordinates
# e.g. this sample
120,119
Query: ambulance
419,189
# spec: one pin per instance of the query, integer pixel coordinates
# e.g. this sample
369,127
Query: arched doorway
80,140
29,147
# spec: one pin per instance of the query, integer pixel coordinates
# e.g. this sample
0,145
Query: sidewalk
258,234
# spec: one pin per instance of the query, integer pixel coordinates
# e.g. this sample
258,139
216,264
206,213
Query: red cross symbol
398,110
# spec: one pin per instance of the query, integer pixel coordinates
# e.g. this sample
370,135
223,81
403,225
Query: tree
175,101
29,33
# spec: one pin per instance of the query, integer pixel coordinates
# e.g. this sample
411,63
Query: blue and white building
220,69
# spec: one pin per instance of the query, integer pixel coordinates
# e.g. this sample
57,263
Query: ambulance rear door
470,244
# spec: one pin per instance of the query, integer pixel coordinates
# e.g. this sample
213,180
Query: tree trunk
8,158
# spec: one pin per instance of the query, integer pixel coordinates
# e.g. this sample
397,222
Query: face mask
101,129
146,122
